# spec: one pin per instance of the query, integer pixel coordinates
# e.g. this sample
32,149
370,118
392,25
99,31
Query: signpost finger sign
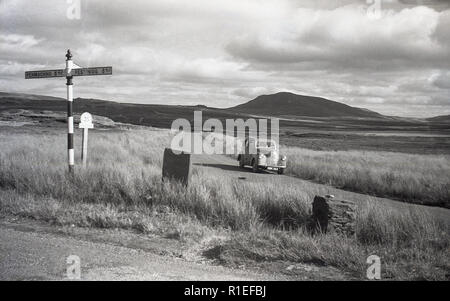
63,73
69,72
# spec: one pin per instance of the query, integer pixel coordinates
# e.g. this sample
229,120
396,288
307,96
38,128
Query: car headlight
260,156
283,158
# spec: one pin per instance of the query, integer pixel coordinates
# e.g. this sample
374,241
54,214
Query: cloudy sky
391,56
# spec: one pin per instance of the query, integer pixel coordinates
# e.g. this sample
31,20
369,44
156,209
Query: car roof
261,139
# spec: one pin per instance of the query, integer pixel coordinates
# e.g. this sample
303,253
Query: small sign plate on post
85,124
86,121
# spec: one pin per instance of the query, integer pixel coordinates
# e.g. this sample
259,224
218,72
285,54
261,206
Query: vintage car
261,154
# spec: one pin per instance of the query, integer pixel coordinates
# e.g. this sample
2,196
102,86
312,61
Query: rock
331,215
176,166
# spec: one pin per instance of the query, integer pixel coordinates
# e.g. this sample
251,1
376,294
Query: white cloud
441,80
223,52
346,38
251,92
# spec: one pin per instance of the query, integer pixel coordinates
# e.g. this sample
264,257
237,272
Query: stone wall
333,215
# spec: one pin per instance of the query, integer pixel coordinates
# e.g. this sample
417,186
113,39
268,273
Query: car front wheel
280,171
241,162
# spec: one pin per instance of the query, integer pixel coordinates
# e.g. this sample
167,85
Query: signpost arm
71,155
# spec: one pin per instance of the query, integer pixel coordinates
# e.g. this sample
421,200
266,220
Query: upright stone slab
329,214
176,166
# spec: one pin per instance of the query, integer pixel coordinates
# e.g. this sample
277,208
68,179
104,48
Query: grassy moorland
413,178
243,222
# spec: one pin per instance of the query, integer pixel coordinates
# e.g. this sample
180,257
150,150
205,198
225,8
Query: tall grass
125,169
422,179
122,188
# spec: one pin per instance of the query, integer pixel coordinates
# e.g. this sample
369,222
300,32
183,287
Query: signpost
85,124
69,72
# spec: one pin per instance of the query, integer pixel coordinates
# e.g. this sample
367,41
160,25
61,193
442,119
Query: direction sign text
74,72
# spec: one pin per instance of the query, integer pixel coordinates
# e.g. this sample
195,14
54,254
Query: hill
330,132
442,118
331,115
139,114
289,104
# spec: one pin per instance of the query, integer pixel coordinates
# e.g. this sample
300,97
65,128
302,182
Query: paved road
28,254
224,166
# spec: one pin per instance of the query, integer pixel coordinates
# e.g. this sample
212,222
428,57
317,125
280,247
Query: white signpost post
69,73
85,124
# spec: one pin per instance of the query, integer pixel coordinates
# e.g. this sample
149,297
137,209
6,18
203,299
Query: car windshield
265,144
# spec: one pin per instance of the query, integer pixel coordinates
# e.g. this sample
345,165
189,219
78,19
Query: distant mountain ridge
442,118
279,104
290,104
162,116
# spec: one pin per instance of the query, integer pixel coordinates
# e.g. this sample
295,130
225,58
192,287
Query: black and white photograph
225,146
